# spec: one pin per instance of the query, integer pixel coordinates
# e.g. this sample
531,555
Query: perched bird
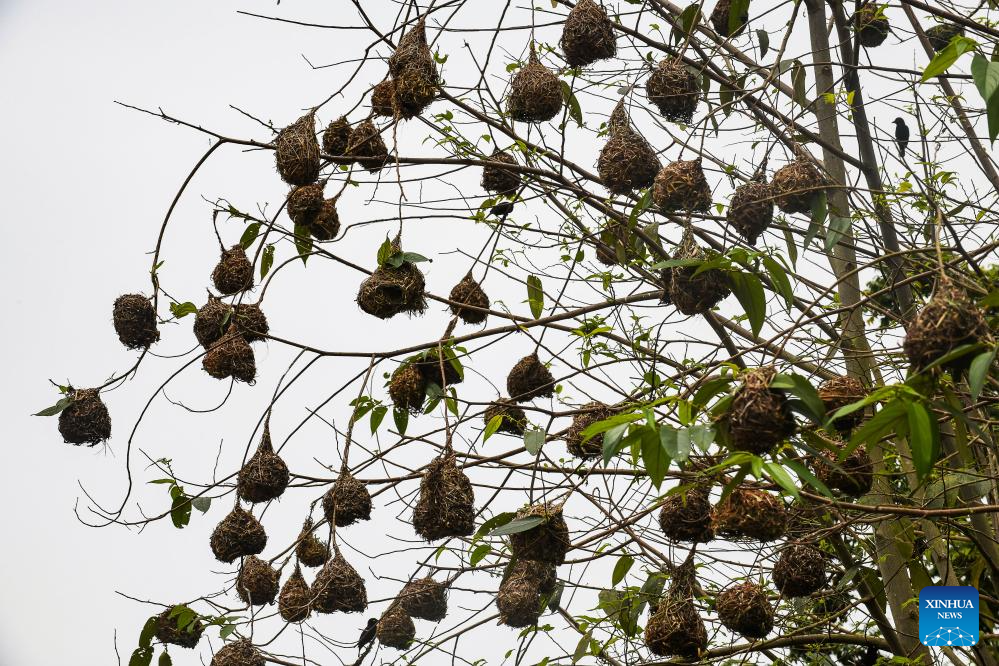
368,633
901,136
502,208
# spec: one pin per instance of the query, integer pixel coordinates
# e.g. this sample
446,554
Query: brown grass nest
327,224
239,653
587,35
213,319
86,419
941,35
297,151
615,246
347,501
305,203
759,417
627,162
367,147
390,291
414,72
838,392
519,599
446,507
168,632
383,99
949,320
676,628
800,571
695,293
338,588
674,90
232,357
688,517
545,542
257,582
795,186
468,292
871,25
587,415
265,475
336,138
748,513
135,321
681,186
424,598
852,476
514,419
407,389
498,180
234,272
311,551
543,572
530,379
723,25
745,609
395,628
295,600
430,367
751,210
535,92
238,535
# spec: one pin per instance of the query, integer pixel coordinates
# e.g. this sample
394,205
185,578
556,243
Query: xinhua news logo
948,615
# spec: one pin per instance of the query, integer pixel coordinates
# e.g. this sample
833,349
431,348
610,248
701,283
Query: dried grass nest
498,180
587,35
135,321
213,319
311,551
347,501
535,92
296,153
695,293
800,571
681,186
751,514
446,507
257,582
366,146
722,21
674,90
871,24
428,364
414,73
468,292
546,542
627,161
514,419
838,392
745,609
383,99
941,35
688,517
796,185
395,628
759,417
232,357
338,588
238,535
407,388
853,476
265,475
239,653
424,598
587,415
234,272
530,379
86,419
751,210
390,291
295,600
948,321
519,597
544,573
336,138
167,630
327,224
675,628
305,203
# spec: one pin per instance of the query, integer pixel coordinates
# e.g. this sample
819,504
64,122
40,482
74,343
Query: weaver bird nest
234,272
238,535
751,514
214,317
498,180
838,392
800,571
530,379
688,517
514,420
676,629
871,24
681,186
231,357
311,551
519,597
395,628
390,291
295,600
535,92
407,388
795,186
265,475
367,147
338,588
135,321
674,90
257,582
548,541
424,598
336,138
297,152
587,35
347,501
239,653
759,417
86,419
692,292
446,507
948,321
468,292
724,23
587,415
852,476
304,204
167,630
627,162
745,609
941,35
751,210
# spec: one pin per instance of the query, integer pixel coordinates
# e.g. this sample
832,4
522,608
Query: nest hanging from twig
948,321
295,600
800,571
257,582
852,476
297,151
382,99
395,628
338,588
530,379
408,389
745,609
695,293
587,35
726,25
838,392
367,147
336,138
759,417
544,573
251,322
676,629
311,551
434,371
627,162
86,419
304,204
168,632
535,92
135,321
327,223
265,475
347,501
424,598
239,653
688,517
446,507
238,535
681,186
234,272
751,210
795,186
941,35
211,321
390,290
871,24
519,598
674,90
232,357
498,180
587,415
751,514
514,419
468,292
414,73
545,542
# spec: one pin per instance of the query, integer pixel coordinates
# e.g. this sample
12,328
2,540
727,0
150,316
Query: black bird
368,633
502,208
901,136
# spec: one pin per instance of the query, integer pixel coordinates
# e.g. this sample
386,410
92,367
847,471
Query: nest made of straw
587,35
691,292
86,419
311,551
759,417
941,35
446,507
407,389
547,541
627,162
367,144
519,599
751,210
800,571
676,628
167,630
514,419
725,24
587,415
265,475
468,292
414,72
949,320
234,272
297,152
838,392
674,90
498,180
336,138
239,653
535,92
211,321
745,609
681,186
424,598
238,535
327,223
543,572
135,321
251,322
304,203
852,476
347,501
530,379
382,99
232,357
390,291
434,371
257,582
751,514
338,588
395,628
796,185
688,517
295,600
871,24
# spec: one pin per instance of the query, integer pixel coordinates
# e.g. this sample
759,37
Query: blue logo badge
948,615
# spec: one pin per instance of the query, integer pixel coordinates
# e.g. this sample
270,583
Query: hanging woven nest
265,475
168,632
135,321
392,290
395,628
232,357
695,294
446,507
498,180
751,514
295,600
424,598
338,588
311,551
676,629
468,292
688,517
759,417
724,23
257,582
745,609
535,92
327,224
239,653
674,90
336,138
514,419
305,203
546,542
796,185
871,24
519,599
383,99
234,272
211,321
949,320
940,36
414,72
838,392
347,501
86,420
627,162
615,246
238,535
543,573
433,371
853,476
681,186
587,35
587,415
251,322
530,379
408,389
805,518
297,151
751,210
800,571
367,147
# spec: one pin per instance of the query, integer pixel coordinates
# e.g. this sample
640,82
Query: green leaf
806,475
56,408
180,310
668,437
763,37
202,504
491,427
227,631
533,441
384,251
621,569
782,478
779,278
613,442
377,416
142,656
654,456
518,525
749,290
479,553
148,631
986,75
924,445
494,522
266,261
249,235
737,9
838,226
801,388
798,83
979,371
582,647
401,418
701,436
948,56
887,419
535,295
689,18
180,509
165,660
575,112
820,210
303,242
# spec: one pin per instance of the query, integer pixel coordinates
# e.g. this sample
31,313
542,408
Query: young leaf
763,37
533,441
401,418
612,441
491,427
782,478
165,660
202,504
621,569
266,261
180,310
924,445
801,388
779,278
142,656
303,242
838,226
56,408
948,56
249,235
798,83
148,631
384,251
377,415
535,295
575,112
